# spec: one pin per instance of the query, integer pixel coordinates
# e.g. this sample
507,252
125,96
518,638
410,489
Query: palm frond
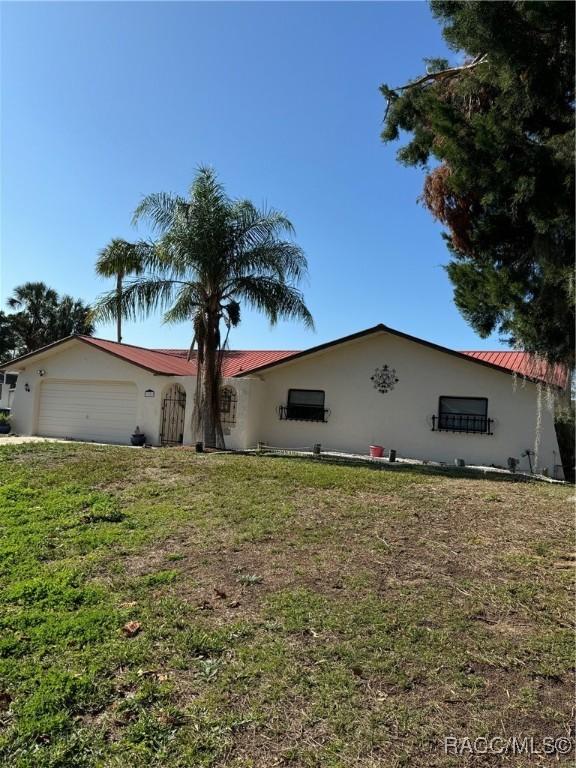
140,297
274,298
120,258
188,299
206,188
160,259
31,295
159,209
281,259
258,225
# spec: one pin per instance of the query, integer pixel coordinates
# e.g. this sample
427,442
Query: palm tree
34,306
41,316
119,259
72,316
212,253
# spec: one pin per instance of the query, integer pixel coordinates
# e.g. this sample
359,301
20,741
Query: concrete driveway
19,439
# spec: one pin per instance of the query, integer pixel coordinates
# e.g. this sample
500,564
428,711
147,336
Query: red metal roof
173,361
150,359
236,360
523,364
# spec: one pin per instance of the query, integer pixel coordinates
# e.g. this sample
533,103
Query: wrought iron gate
173,412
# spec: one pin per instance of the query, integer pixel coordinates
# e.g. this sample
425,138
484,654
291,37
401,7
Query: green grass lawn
293,612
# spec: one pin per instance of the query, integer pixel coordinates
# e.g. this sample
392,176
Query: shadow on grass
417,469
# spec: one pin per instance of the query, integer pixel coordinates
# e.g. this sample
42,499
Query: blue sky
105,102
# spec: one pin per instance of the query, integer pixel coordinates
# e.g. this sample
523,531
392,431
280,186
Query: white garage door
87,410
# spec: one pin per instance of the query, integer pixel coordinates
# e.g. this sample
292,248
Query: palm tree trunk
212,430
208,420
197,415
119,307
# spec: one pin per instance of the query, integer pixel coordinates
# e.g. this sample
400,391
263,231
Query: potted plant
4,423
137,437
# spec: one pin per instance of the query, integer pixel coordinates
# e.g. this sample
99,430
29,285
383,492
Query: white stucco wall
77,361
250,394
401,418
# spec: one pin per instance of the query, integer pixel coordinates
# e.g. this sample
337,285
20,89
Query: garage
102,411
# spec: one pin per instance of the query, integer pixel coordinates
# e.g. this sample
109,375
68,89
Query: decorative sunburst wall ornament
384,379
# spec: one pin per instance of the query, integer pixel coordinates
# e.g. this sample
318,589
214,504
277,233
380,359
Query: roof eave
42,350
9,365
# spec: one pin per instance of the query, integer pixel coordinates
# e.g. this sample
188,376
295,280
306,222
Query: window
304,405
228,401
462,414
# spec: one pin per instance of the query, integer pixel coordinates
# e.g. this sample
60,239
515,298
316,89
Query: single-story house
376,387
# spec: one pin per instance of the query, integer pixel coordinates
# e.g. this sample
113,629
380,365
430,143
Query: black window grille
462,414
304,405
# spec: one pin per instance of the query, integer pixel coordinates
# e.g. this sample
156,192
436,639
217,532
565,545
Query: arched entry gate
173,412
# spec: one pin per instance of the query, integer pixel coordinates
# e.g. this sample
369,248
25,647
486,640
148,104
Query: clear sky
105,102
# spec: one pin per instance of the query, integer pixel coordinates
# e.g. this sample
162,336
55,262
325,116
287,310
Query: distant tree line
40,315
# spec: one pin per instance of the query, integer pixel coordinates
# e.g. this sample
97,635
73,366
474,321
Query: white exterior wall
250,395
78,361
401,419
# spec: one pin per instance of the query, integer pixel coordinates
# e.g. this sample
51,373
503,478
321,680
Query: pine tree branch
442,74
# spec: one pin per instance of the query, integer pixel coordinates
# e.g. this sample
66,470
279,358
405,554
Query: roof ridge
109,341
180,349
163,350
156,351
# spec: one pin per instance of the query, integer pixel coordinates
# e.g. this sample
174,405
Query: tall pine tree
496,137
